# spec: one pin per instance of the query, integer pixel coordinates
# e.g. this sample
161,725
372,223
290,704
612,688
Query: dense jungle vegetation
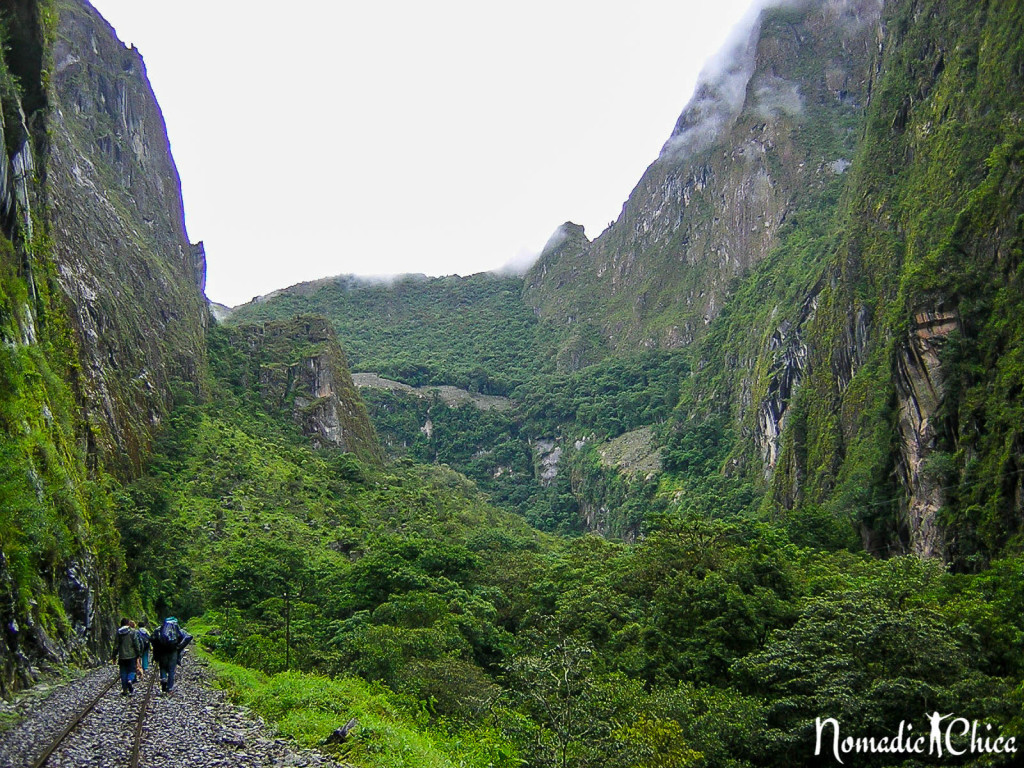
477,334
746,605
474,332
328,588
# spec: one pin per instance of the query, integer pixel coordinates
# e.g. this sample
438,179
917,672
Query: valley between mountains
749,459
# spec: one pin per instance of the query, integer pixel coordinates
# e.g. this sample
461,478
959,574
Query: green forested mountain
826,243
782,386
477,333
472,332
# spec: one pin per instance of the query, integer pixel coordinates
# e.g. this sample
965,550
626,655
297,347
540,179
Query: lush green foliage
54,510
608,399
496,448
455,633
472,332
392,731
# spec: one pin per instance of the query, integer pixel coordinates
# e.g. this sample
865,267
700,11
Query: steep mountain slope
773,124
922,303
866,367
103,319
474,333
833,231
134,282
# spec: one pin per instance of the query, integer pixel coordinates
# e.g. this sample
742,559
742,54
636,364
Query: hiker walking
145,643
168,643
126,651
136,675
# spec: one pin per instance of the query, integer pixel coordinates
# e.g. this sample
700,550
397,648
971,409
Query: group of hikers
132,646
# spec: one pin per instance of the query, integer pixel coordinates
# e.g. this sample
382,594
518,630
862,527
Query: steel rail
137,734
137,742
71,726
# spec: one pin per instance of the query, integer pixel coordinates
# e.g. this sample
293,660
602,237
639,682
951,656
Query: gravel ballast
195,726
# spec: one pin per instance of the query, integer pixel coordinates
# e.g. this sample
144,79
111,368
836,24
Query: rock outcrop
787,349
920,390
297,366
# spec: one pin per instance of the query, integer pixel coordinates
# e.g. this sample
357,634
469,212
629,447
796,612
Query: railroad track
133,760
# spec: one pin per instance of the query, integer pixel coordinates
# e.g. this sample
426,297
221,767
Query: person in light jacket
126,652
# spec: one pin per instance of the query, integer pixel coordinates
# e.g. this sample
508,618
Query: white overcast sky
320,138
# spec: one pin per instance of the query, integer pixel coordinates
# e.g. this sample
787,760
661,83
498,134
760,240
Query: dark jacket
177,639
126,645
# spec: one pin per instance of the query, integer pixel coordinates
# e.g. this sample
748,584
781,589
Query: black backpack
143,639
168,636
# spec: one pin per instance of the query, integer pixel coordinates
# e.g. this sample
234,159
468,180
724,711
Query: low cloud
721,90
774,97
526,258
518,265
558,237
722,86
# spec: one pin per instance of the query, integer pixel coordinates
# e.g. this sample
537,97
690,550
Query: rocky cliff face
859,361
833,232
771,124
920,391
299,367
721,248
132,279
901,426
786,357
101,315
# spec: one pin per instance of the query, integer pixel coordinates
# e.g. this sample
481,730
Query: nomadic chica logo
946,737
